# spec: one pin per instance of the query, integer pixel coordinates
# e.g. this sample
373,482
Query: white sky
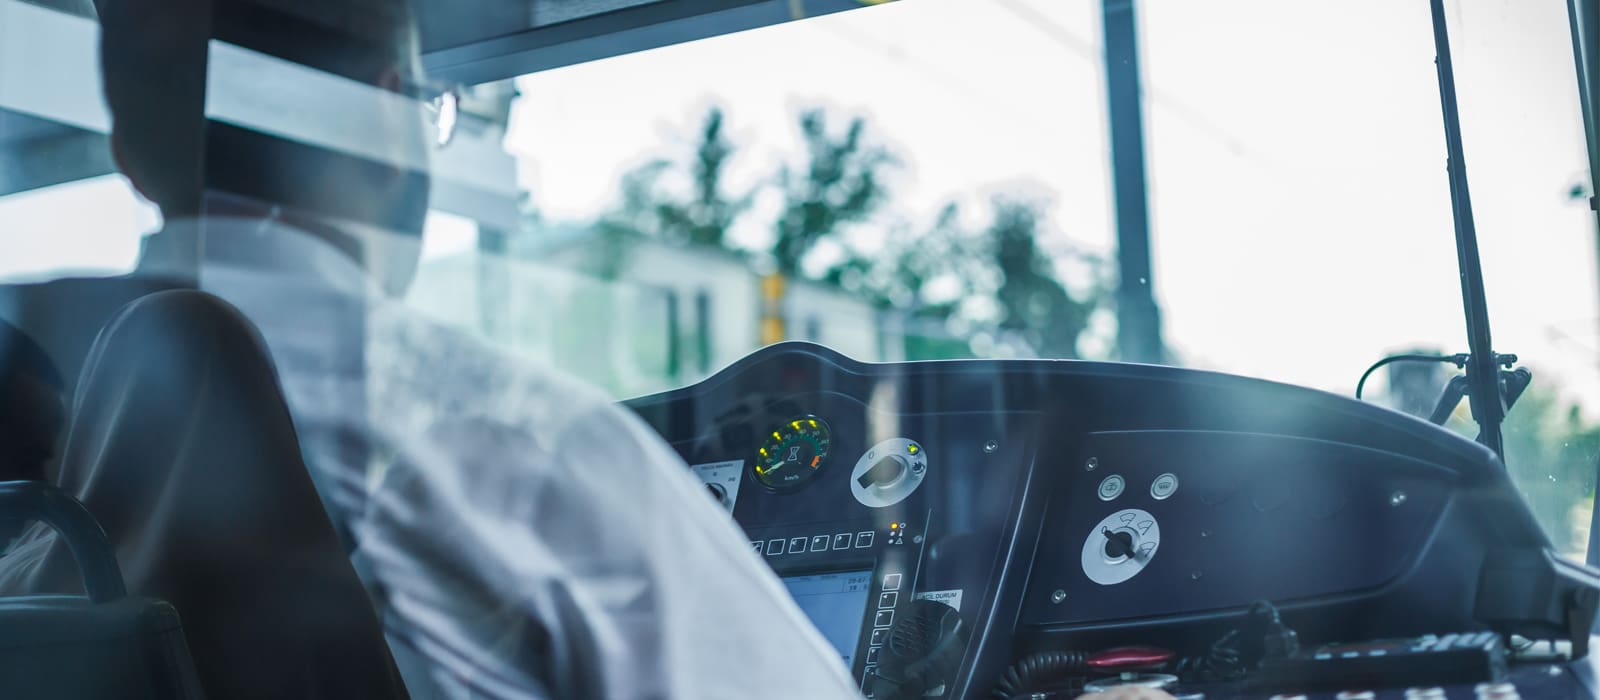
1301,212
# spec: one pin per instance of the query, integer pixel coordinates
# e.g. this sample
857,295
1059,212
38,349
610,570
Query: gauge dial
793,453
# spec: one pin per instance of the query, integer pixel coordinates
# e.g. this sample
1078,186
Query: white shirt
529,537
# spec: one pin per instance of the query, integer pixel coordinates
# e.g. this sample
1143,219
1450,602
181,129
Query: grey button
774,547
891,582
841,541
888,600
797,545
1164,486
819,543
883,618
878,636
864,539
1111,487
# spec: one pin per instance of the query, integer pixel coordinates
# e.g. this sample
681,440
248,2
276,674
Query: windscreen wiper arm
1483,378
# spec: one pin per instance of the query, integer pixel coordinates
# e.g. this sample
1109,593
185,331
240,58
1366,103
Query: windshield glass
929,200
447,274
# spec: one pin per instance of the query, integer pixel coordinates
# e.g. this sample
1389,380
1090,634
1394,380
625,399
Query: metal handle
91,549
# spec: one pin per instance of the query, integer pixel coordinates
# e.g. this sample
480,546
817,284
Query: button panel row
816,543
1161,488
882,619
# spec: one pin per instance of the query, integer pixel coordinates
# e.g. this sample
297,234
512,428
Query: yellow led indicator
796,425
893,525
763,452
776,436
912,448
813,423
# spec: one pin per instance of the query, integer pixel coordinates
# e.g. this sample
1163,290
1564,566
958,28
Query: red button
1129,659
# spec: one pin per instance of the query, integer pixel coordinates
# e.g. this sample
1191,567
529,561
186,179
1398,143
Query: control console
967,529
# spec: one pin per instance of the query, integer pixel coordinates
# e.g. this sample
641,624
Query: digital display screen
835,602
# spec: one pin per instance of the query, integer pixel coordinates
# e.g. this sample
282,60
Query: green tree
996,278
910,263
1032,300
1551,454
650,208
842,183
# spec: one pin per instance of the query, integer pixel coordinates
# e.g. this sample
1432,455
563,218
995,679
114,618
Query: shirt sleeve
581,559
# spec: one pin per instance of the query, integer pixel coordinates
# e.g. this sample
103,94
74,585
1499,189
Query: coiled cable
1037,670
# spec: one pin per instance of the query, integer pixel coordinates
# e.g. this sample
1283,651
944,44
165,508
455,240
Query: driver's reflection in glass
521,535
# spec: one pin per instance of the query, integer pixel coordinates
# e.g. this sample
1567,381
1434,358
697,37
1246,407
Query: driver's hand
1128,692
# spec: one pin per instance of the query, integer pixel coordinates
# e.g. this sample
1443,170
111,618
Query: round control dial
888,472
792,453
1120,546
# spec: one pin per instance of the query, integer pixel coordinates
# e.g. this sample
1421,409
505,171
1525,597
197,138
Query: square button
872,655
864,539
774,547
797,545
888,600
878,636
841,541
891,582
757,545
883,618
866,677
819,543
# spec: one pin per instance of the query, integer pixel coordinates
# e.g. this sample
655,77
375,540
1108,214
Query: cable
1458,359
1034,671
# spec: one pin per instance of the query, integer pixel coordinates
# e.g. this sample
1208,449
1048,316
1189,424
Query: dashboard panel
1064,505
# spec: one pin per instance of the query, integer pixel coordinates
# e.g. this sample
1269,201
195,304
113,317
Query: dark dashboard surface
1066,504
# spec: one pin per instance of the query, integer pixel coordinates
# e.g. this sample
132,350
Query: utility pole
1138,317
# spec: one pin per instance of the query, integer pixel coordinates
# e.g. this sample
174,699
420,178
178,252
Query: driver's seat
182,447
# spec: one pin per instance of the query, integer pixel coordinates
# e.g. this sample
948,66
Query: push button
774,547
1111,487
1164,486
883,618
819,543
864,539
872,655
888,600
891,582
878,636
841,541
797,545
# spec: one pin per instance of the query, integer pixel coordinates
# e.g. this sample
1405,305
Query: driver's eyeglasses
442,104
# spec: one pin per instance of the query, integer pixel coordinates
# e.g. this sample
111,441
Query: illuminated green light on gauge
795,451
912,448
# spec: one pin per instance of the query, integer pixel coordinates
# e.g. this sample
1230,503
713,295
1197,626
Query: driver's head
175,106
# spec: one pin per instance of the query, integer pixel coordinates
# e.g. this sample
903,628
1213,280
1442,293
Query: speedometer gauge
793,453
